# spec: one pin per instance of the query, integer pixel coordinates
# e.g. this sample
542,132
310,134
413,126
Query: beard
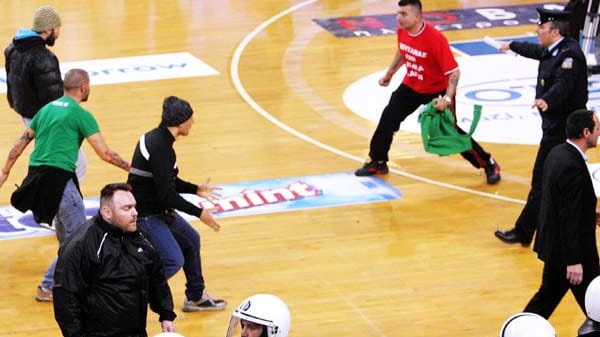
51,39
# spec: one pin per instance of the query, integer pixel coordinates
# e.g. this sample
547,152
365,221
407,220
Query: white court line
242,91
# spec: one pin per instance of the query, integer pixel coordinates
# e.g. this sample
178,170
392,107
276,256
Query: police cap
546,15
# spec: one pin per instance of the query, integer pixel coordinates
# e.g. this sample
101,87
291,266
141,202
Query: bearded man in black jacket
32,72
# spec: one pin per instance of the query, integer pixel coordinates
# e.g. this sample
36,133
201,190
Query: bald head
77,84
74,78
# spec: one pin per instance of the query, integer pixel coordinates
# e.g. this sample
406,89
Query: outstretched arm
97,142
15,153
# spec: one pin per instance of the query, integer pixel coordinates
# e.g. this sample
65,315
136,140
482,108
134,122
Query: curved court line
242,91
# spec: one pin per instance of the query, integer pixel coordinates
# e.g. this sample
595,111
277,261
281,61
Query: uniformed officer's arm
527,49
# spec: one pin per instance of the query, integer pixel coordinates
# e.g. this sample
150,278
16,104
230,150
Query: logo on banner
257,197
468,18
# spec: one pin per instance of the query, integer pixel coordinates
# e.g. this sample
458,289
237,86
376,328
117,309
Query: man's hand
504,47
167,326
575,274
207,191
3,177
540,104
209,220
440,104
385,80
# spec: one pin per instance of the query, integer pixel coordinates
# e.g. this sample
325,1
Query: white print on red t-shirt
413,68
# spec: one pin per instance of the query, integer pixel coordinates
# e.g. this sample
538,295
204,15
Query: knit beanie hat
175,111
45,18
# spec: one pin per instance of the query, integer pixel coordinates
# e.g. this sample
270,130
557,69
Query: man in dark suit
566,239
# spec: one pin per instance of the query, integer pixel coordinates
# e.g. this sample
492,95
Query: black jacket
41,192
33,76
153,177
567,227
562,82
104,281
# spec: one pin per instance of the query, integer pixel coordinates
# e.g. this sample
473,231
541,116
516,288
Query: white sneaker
47,226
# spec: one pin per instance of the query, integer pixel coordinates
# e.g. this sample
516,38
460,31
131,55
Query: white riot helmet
264,309
527,324
592,299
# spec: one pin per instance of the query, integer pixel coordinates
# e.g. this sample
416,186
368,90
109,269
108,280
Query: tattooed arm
97,142
452,83
15,152
442,103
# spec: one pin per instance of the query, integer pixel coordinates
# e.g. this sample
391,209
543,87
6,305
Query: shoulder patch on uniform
567,63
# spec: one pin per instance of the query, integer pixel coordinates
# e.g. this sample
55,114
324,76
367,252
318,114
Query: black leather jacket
104,281
33,76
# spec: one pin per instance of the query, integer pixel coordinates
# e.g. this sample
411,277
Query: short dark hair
109,190
562,26
416,3
578,121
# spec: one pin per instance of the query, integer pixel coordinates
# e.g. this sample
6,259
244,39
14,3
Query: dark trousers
178,246
403,102
554,287
527,222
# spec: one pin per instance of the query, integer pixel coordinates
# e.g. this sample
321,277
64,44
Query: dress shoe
589,328
509,236
593,70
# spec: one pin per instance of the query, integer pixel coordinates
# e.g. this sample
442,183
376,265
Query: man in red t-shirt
431,74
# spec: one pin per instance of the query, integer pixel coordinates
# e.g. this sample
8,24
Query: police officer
561,88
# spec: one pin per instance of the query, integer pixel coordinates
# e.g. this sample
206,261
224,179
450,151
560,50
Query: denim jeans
70,216
178,246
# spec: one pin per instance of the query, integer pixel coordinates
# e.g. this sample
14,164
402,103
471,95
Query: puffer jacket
104,281
33,76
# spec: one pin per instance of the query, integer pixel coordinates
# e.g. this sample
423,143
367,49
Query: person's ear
106,212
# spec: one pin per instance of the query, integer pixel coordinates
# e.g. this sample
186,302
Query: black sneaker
206,303
492,172
372,168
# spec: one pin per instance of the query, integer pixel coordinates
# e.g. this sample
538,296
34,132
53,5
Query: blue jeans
178,246
70,216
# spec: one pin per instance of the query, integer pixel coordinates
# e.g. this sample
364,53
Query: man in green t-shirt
50,189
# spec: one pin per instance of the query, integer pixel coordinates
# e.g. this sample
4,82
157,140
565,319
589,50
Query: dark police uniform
562,83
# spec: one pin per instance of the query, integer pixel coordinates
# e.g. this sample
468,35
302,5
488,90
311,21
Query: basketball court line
268,116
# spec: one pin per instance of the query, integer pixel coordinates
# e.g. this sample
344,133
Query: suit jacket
567,225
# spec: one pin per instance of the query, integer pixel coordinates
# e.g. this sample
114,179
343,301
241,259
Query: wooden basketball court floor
425,265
